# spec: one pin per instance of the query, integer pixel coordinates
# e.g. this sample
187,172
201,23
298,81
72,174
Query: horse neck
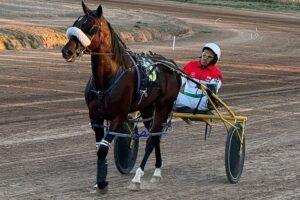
106,66
110,58
104,70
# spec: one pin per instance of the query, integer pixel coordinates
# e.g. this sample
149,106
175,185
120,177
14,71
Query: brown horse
114,88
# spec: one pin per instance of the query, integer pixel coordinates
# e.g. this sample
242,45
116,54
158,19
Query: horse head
85,34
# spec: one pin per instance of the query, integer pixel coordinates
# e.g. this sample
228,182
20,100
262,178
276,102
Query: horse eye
94,30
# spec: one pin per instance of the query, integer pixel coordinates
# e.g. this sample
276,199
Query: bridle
94,30
92,33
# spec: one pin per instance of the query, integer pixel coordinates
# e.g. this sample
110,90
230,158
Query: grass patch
265,5
22,37
8,45
17,39
32,41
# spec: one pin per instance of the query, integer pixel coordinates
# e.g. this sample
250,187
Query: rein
88,52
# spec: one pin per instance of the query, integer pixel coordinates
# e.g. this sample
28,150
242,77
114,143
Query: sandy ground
47,149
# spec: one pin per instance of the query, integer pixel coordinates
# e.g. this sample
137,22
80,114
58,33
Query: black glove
211,88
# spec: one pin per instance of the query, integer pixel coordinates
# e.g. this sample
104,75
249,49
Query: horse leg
158,164
140,171
152,142
161,117
103,151
146,113
101,183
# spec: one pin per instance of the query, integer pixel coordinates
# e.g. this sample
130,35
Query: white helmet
215,48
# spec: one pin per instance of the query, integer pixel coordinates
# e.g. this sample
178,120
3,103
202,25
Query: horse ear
85,8
99,11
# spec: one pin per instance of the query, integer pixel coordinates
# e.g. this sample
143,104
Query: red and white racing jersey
205,75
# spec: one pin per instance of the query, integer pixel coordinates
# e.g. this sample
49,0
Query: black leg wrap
102,185
104,146
102,151
98,128
158,162
101,161
101,173
99,134
109,138
148,151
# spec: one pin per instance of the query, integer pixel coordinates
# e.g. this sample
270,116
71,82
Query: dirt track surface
47,149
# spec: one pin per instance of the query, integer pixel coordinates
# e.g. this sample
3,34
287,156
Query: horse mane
118,47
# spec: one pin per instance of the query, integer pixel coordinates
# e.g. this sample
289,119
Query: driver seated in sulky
205,72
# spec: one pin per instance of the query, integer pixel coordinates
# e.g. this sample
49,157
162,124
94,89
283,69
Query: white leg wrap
156,176
157,172
138,175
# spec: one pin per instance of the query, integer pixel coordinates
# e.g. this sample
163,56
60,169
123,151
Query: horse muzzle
68,54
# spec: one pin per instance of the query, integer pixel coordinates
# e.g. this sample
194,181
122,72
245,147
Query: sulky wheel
126,150
234,154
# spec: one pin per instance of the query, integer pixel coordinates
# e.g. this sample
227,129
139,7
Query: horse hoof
134,186
97,190
155,179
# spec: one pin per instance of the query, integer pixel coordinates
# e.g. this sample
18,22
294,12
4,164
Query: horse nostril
67,53
70,53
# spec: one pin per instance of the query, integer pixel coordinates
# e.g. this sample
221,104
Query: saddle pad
149,73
